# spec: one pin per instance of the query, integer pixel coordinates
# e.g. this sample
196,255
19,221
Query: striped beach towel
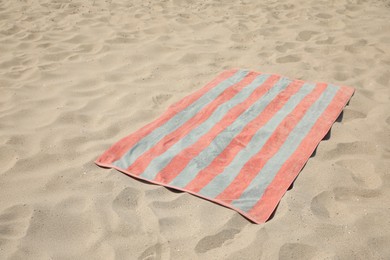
239,141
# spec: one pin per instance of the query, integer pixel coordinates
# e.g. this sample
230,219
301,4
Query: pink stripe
273,144
142,162
179,162
242,139
291,168
120,148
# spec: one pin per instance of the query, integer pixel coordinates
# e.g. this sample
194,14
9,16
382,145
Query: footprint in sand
14,222
285,47
328,40
324,16
127,206
356,46
306,35
128,198
355,148
152,252
254,245
322,204
297,251
214,241
157,251
161,98
388,120
362,172
351,114
380,244
288,59
169,205
384,79
340,76
349,194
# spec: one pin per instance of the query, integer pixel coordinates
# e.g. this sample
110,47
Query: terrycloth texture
240,141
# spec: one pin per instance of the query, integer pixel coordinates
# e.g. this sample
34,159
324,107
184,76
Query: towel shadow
276,208
340,118
327,136
174,190
273,213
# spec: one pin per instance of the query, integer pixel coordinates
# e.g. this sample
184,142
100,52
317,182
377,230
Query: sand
76,76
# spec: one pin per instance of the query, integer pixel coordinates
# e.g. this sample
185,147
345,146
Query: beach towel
240,141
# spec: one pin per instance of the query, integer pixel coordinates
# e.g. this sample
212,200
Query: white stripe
175,122
158,163
223,180
222,140
258,185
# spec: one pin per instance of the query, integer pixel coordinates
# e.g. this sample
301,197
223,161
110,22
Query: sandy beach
77,76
